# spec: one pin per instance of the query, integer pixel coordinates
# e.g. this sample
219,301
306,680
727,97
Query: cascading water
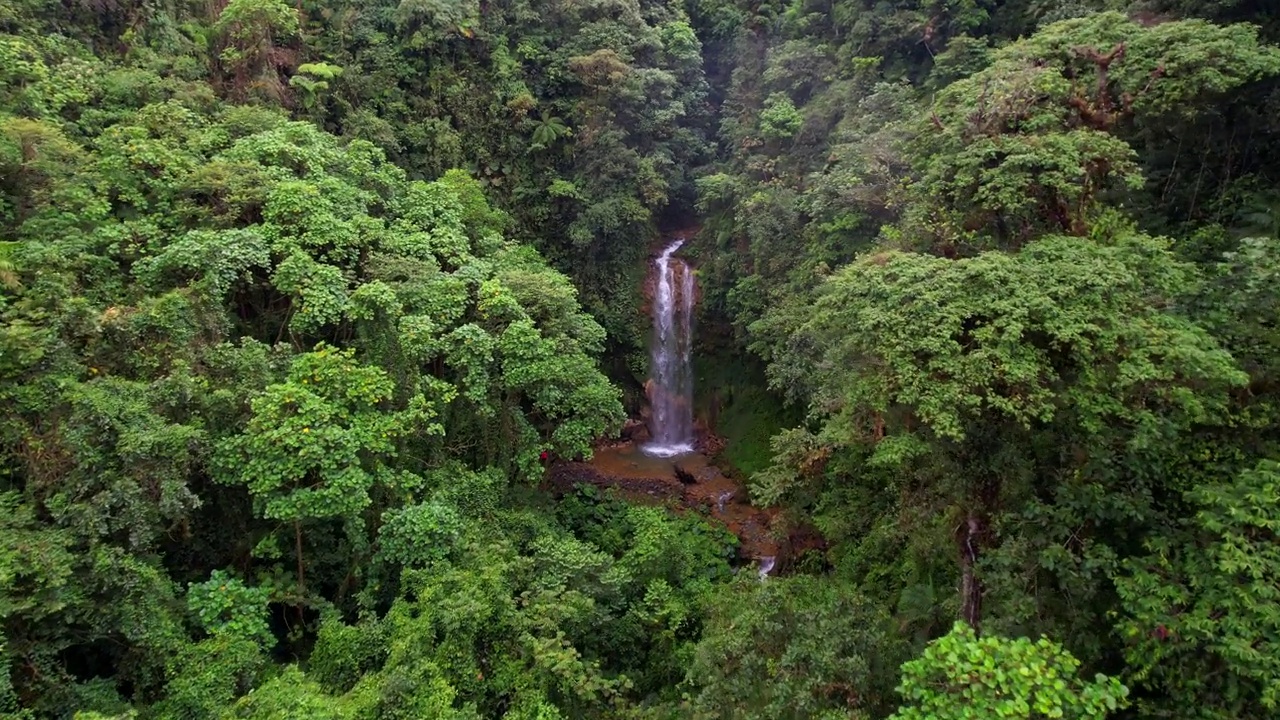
723,498
671,384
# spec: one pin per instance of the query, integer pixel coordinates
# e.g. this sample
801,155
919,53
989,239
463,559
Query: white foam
666,451
722,499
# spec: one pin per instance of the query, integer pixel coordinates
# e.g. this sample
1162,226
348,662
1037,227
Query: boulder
684,475
635,431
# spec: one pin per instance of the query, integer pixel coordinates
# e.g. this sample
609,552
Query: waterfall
671,381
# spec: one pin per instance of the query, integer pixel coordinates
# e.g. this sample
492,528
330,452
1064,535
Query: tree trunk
302,581
970,585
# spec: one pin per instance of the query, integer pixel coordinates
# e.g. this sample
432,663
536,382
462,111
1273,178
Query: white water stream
671,384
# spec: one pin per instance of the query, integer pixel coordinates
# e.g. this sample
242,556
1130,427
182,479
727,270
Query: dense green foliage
960,676
298,299
1015,286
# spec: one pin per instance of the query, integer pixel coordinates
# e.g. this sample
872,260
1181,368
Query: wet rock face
708,443
635,431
